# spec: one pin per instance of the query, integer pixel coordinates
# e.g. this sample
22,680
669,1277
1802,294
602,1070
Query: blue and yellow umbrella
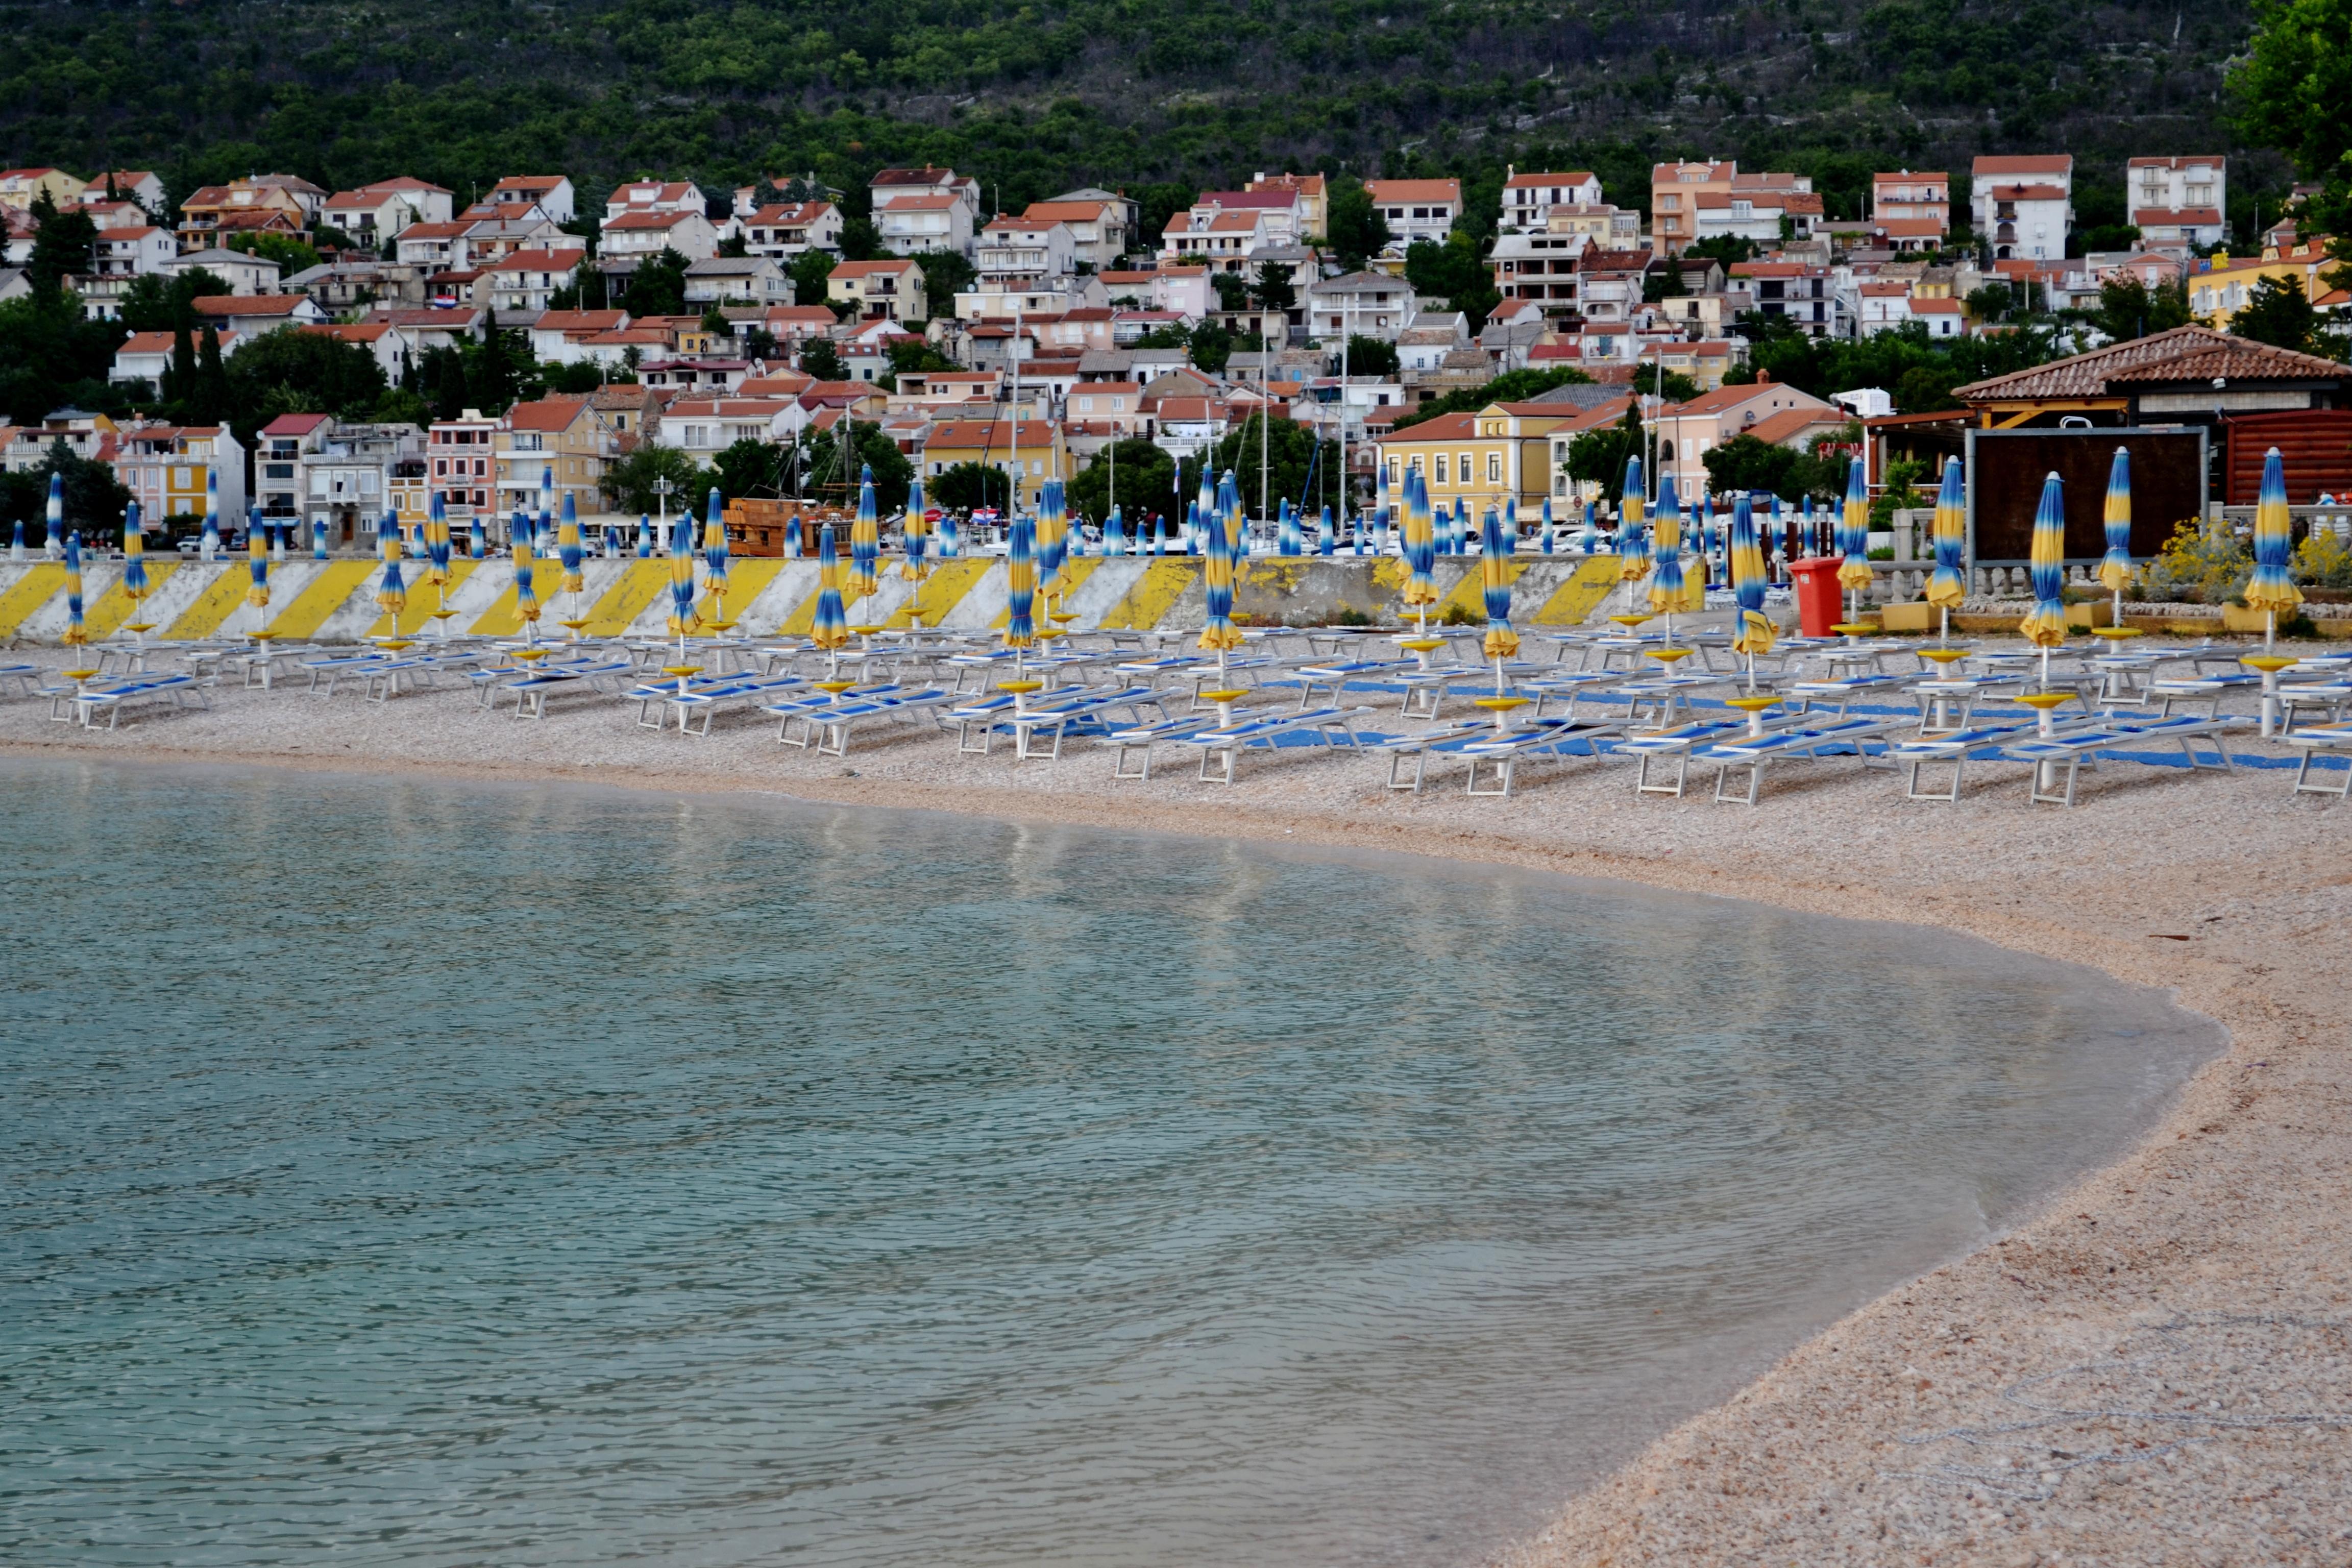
917,534
1218,633
390,595
53,520
950,543
1590,544
1748,581
2116,567
1495,554
714,550
437,543
644,537
76,634
1948,585
1547,525
1115,533
795,538
1632,550
525,577
1020,583
1853,531
319,539
1380,508
257,552
1420,546
2045,625
683,617
567,546
1053,540
1327,534
1205,517
2270,591
1667,551
477,540
134,556
864,541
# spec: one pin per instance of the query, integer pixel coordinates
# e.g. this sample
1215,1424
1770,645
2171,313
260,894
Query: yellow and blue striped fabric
1948,585
2045,625
1218,631
567,546
917,566
1633,550
683,617
714,546
864,541
1666,549
76,633
257,552
525,574
389,594
1755,632
1853,531
436,542
211,542
2271,588
2116,567
1420,542
1495,554
1020,582
134,556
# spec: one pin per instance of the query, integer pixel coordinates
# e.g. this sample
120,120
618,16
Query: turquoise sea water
428,1173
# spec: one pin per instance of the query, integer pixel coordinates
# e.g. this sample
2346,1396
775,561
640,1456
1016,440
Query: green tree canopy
64,245
750,468
94,499
825,477
1145,473
293,371
629,484
1357,229
2129,309
657,288
1372,356
1454,271
822,360
1597,456
2276,312
1298,469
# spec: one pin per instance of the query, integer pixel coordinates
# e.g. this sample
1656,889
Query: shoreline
2223,1210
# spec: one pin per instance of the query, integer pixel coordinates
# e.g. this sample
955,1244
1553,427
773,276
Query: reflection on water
435,1173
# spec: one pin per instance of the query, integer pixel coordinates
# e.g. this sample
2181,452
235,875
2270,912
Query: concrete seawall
334,601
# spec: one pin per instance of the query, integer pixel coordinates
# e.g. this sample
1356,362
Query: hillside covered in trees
1035,98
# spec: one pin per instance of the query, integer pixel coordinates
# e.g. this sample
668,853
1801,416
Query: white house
2179,205
1223,240
551,193
784,232
131,252
2024,204
249,316
1527,199
1417,210
243,273
434,247
925,210
1101,229
373,214
527,279
1017,252
639,234
654,196
145,356
738,280
1358,304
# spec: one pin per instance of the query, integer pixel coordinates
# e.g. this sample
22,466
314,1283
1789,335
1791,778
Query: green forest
1181,94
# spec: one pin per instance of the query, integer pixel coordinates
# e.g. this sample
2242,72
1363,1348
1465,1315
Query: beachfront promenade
2189,1302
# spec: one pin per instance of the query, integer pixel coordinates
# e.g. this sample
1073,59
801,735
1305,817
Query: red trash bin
1821,602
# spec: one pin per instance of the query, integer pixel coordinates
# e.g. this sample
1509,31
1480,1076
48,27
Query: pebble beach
2156,1369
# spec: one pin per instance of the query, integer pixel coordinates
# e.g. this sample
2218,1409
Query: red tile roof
2181,354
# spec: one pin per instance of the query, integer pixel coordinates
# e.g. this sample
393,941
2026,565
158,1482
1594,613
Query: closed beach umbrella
256,593
951,546
134,556
1020,583
2045,626
17,541
1286,541
1207,513
53,520
1494,581
390,595
714,550
1947,586
864,538
76,634
1747,579
2116,568
1591,541
277,538
1510,526
567,546
2270,591
436,542
1666,550
1115,533
1218,633
644,537
1420,547
1547,525
1234,531
795,537
1160,533
211,542
1327,534
477,541
1053,539
319,540
526,587
1632,550
682,617
1853,531
1457,527
916,535
546,498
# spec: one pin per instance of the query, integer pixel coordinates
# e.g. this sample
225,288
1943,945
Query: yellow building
1043,452
20,188
1501,452
2218,295
565,434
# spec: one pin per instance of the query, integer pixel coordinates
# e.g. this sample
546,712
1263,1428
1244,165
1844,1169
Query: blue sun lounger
1093,709
1137,739
727,691
1318,724
2077,749
1680,743
2333,739
530,693
115,696
829,724
1545,738
1420,744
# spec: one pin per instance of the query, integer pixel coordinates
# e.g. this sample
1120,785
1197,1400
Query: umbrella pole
1944,637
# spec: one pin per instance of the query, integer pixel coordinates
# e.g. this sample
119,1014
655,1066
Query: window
1441,468
1494,467
1665,451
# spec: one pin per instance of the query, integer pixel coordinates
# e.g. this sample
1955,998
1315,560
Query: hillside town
669,337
